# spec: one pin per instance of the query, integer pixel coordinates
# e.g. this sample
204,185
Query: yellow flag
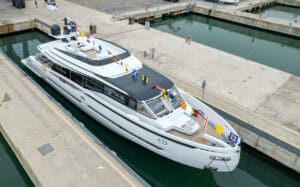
164,92
219,129
81,33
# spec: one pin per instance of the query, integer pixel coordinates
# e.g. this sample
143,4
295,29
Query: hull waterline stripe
65,90
123,128
106,117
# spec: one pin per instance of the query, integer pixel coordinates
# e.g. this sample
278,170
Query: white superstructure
115,88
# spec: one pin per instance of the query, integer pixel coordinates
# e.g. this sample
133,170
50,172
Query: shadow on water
156,170
11,171
275,50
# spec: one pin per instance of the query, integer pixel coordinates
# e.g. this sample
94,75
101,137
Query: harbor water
274,50
254,169
11,172
289,13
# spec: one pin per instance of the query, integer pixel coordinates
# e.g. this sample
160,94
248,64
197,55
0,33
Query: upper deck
108,62
94,55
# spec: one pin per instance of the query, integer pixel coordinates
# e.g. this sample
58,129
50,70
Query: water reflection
268,48
289,13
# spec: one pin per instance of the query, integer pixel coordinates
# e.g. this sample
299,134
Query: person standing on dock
189,39
36,3
203,88
152,51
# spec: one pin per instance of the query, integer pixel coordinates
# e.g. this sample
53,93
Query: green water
291,14
278,51
11,172
254,168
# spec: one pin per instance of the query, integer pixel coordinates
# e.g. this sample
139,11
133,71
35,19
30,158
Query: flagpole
205,123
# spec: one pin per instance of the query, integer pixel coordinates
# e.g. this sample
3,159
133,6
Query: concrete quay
239,15
53,149
233,13
262,102
294,3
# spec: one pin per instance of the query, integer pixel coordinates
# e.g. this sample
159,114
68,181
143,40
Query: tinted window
63,71
120,97
76,77
96,85
93,84
131,103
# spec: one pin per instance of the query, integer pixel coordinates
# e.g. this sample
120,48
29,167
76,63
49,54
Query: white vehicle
115,88
226,1
229,1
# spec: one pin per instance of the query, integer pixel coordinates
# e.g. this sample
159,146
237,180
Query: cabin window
63,71
93,84
131,103
97,86
115,94
76,77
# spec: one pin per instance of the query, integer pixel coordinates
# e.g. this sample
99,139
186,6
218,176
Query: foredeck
198,136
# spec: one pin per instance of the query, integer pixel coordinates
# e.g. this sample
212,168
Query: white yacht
129,98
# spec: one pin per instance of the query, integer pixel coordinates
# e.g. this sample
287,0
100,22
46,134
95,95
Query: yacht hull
130,127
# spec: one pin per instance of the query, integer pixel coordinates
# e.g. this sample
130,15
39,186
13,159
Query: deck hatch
45,149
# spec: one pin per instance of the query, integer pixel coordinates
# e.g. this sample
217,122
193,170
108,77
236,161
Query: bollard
131,20
93,29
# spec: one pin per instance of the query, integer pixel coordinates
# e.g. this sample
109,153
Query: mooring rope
209,163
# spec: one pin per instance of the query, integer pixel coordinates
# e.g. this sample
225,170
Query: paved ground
120,6
283,105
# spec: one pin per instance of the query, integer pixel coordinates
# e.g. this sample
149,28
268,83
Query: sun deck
92,53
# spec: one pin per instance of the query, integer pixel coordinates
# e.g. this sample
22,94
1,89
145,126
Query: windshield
141,108
163,105
157,106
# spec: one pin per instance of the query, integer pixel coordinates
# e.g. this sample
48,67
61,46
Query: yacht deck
92,53
198,136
